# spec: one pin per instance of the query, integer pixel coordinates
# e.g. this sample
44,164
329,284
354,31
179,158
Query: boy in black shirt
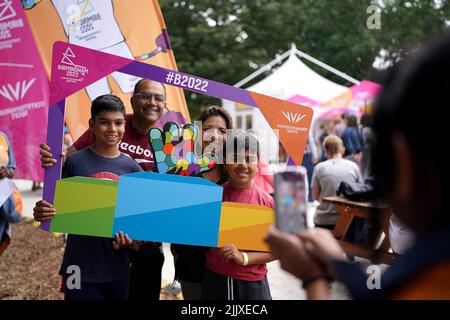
103,263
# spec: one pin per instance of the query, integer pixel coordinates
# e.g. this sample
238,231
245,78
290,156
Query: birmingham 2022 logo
74,72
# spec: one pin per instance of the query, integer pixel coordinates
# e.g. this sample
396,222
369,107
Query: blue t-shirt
8,213
99,262
353,141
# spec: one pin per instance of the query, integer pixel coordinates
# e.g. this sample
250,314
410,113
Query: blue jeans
308,164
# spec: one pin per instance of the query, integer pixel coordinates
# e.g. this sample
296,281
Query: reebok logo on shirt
138,150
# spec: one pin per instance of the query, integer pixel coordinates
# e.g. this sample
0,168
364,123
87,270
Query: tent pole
291,52
327,67
262,69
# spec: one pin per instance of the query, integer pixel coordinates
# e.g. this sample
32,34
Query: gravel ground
29,266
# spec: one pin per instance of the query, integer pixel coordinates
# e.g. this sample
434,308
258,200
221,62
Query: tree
225,40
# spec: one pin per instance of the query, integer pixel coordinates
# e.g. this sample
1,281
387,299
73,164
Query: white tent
293,77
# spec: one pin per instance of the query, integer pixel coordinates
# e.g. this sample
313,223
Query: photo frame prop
91,212
75,67
174,150
158,207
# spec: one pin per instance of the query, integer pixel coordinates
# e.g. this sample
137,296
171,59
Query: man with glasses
148,103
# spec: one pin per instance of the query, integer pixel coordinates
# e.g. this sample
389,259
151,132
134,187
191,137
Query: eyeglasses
149,96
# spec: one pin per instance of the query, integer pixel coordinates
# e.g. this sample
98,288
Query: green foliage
225,40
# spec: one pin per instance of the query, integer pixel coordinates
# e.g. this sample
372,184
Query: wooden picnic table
377,246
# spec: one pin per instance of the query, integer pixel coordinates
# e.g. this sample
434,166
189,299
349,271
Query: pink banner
304,101
365,90
24,90
364,94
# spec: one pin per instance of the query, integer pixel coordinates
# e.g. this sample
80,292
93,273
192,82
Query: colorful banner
304,101
131,30
87,66
344,100
158,207
23,91
358,99
364,94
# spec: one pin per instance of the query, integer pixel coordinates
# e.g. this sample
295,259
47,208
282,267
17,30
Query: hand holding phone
290,199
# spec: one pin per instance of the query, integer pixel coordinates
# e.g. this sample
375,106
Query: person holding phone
410,178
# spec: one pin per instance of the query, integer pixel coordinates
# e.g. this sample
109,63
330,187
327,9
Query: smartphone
290,199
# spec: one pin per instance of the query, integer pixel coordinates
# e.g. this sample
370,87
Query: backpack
356,191
14,207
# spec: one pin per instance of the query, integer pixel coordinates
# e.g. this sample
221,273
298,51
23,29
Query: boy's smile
108,128
241,173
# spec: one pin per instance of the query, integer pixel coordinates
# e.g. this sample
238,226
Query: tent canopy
292,80
295,78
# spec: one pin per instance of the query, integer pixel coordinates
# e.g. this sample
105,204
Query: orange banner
291,121
134,31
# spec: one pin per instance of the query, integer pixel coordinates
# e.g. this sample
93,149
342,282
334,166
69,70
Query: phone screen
290,200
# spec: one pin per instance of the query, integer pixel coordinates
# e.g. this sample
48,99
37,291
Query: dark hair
240,140
106,102
366,120
141,81
351,120
215,111
412,88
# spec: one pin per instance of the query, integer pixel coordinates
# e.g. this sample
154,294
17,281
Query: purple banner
55,136
189,82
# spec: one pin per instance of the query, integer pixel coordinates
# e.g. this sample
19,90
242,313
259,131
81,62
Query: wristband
244,254
306,282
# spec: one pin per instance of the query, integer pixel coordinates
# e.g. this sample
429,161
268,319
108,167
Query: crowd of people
408,176
385,148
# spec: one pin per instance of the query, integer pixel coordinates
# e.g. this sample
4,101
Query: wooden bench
373,248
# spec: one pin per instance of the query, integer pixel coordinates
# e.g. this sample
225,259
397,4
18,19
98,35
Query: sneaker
36,186
173,288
